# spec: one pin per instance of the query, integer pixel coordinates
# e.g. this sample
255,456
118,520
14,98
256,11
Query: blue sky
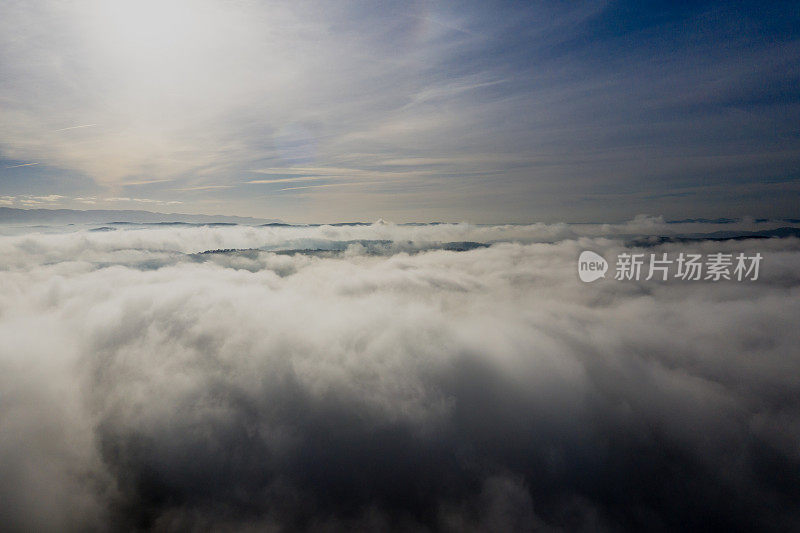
333,111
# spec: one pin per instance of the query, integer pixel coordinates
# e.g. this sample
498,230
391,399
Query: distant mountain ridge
10,215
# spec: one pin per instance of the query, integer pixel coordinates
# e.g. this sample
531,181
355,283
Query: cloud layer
145,385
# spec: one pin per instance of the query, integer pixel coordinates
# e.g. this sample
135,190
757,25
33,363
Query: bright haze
316,266
411,111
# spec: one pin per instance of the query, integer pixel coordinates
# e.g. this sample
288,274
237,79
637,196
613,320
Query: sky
489,112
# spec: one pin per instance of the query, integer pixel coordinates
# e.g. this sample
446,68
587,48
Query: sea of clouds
393,377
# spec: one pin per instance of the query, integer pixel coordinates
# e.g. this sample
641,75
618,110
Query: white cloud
487,389
32,201
115,199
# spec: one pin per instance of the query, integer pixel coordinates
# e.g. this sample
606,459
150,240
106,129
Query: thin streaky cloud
350,173
313,171
23,165
140,200
324,185
204,188
145,182
449,89
77,127
284,180
447,26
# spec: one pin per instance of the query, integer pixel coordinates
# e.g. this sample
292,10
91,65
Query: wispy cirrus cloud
204,188
499,112
28,200
76,127
340,184
289,180
22,165
57,200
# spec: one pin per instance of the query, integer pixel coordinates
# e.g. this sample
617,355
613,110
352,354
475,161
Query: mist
373,378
